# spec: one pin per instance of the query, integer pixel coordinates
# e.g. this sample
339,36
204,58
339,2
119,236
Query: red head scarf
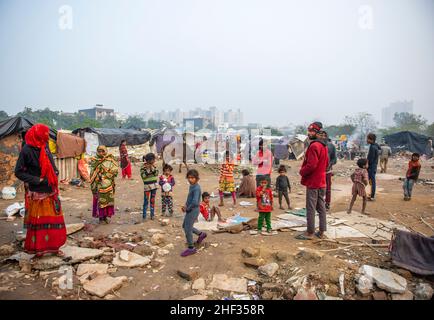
37,137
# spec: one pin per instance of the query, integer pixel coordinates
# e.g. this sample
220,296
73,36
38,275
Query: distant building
199,123
97,112
396,107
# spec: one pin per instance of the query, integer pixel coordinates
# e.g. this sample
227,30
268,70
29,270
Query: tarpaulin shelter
409,141
17,125
113,137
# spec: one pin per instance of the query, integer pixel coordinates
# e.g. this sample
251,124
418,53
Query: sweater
313,169
282,183
265,201
193,198
373,155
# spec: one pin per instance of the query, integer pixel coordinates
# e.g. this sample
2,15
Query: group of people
44,219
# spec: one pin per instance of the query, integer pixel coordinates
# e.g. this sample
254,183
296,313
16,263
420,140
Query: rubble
423,291
103,285
385,279
224,283
364,285
130,260
306,294
188,274
158,239
73,228
6,250
269,269
407,295
379,295
78,254
92,268
254,262
199,284
251,252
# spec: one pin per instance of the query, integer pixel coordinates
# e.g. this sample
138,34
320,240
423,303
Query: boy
167,182
191,209
209,212
264,197
283,186
149,174
411,176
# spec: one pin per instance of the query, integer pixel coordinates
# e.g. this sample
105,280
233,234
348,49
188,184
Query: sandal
303,237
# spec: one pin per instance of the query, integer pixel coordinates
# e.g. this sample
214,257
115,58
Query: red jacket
265,202
313,170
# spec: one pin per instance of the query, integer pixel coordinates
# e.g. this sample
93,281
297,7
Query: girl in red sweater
264,197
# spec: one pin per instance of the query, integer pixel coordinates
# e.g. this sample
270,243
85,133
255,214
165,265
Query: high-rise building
389,112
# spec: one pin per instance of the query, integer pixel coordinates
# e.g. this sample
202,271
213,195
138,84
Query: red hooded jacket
313,170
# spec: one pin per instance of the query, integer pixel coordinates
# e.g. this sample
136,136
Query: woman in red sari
125,161
44,221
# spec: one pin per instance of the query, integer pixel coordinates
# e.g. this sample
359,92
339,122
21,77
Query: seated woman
248,185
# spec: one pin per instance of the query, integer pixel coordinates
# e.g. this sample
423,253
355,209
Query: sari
103,172
125,161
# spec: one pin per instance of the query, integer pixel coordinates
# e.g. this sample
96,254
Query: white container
9,193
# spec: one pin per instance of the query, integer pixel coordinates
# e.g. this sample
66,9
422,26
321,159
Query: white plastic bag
9,193
14,209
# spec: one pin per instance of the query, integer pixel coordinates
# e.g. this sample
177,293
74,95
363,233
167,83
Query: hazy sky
280,61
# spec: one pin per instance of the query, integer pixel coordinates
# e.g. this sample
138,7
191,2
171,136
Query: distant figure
385,153
248,185
184,153
329,173
360,181
373,155
103,171
411,176
313,176
125,160
283,187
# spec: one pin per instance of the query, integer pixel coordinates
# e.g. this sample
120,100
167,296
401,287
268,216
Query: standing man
373,155
329,172
313,176
386,152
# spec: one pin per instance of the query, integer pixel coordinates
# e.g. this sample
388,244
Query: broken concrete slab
74,227
199,284
78,254
91,268
385,279
104,284
250,252
269,269
254,262
133,260
364,285
225,283
48,262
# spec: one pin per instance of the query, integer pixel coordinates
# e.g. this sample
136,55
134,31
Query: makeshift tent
409,141
17,125
113,137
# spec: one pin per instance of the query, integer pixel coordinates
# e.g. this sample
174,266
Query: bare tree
364,122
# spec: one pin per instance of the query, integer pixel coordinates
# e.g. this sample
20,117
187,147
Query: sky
279,61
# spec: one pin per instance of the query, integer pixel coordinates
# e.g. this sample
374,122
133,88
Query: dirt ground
221,252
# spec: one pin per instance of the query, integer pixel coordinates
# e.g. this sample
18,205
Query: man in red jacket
313,176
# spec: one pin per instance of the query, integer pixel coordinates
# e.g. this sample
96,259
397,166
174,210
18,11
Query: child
411,176
283,186
191,209
248,185
360,181
209,212
264,197
226,181
149,174
167,182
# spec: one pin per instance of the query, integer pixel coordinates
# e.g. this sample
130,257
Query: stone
106,259
408,295
269,269
137,238
143,250
306,294
379,295
196,297
254,262
224,283
103,285
134,260
163,252
199,284
274,287
281,256
153,231
48,262
158,239
333,290
311,255
78,254
251,252
74,227
6,250
169,246
423,291
364,285
124,255
404,273
385,279
90,268
165,222
26,266
188,274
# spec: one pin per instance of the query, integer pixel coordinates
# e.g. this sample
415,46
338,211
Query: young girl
283,186
248,185
226,181
167,182
149,174
191,209
264,197
360,181
209,212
